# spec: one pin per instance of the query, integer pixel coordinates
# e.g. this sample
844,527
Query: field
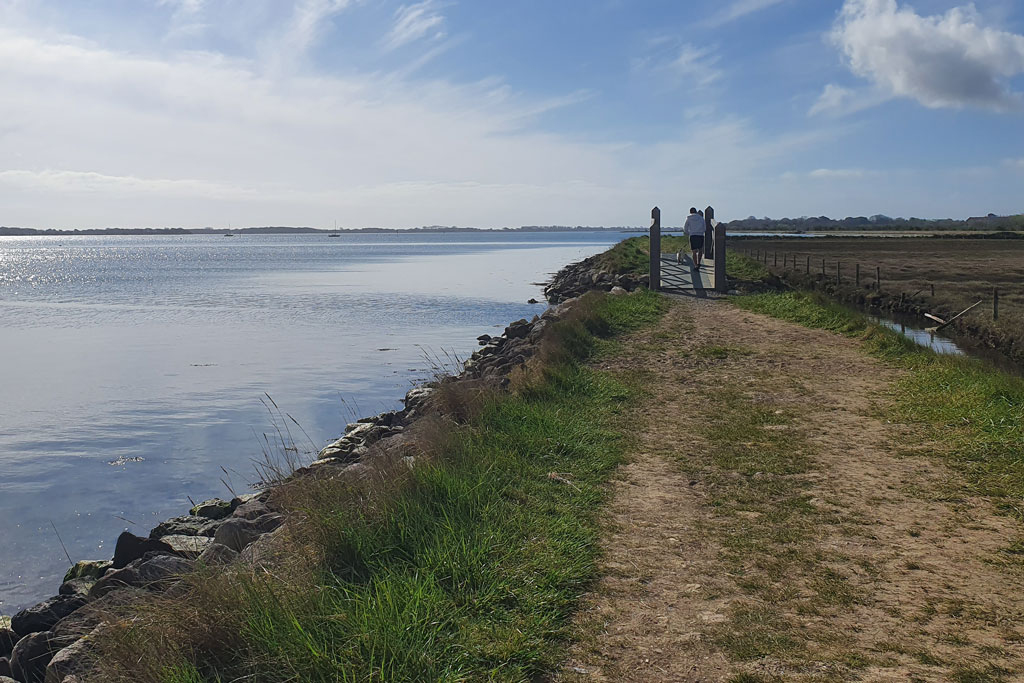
963,271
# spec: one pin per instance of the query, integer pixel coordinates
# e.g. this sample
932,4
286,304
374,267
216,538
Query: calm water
133,367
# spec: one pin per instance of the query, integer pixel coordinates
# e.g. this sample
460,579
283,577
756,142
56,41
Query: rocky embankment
51,641
589,274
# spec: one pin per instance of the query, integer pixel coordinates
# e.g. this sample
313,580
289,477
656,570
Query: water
133,367
920,335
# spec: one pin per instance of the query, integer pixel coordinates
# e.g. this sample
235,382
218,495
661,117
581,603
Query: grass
962,271
632,255
976,410
467,570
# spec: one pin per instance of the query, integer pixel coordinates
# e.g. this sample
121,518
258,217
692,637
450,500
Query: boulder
217,555
188,546
43,616
153,572
215,508
7,637
131,547
618,291
484,339
119,578
416,397
88,569
518,330
31,656
237,533
76,587
251,510
73,660
188,525
263,550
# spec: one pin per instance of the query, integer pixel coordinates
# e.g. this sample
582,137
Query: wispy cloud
737,10
698,65
836,100
948,60
308,22
414,22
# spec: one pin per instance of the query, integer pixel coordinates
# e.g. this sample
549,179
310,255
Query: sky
360,113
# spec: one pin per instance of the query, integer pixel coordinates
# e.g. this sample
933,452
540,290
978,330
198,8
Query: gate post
709,232
655,284
721,282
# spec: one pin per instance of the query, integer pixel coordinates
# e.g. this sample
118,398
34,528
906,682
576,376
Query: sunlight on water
152,353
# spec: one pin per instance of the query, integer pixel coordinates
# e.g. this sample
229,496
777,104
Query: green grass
470,571
632,255
975,410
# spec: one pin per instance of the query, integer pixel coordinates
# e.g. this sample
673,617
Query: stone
43,616
215,508
5,669
618,291
119,578
251,510
31,656
237,533
76,587
188,525
88,569
217,555
188,546
263,550
131,547
484,339
73,660
518,329
7,637
156,572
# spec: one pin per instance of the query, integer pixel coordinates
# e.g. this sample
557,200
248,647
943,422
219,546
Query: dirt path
772,524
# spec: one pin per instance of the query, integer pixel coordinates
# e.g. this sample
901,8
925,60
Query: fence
794,261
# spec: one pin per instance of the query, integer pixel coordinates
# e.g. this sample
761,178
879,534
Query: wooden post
995,303
655,249
823,267
721,281
878,278
776,259
807,268
856,275
933,289
839,273
709,232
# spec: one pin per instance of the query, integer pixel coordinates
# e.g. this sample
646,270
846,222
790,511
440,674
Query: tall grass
974,411
465,568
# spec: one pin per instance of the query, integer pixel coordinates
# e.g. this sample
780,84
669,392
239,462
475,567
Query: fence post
823,267
776,264
807,268
655,283
933,289
839,273
721,281
995,303
856,275
878,278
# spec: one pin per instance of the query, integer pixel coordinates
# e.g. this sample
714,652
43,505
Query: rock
88,569
416,397
76,587
131,547
618,291
189,525
30,657
237,533
251,510
533,301
119,578
7,637
5,669
188,546
43,616
264,549
217,555
73,660
158,571
484,338
518,330
215,508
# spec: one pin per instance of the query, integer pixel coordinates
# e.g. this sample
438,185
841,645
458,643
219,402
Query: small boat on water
228,234
334,235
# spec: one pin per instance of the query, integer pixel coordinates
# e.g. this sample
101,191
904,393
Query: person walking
693,228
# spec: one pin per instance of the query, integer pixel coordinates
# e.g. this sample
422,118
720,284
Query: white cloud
696,65
836,100
837,173
307,23
738,9
948,60
413,22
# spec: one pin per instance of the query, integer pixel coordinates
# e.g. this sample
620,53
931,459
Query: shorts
696,242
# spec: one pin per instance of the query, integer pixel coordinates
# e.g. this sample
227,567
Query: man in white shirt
694,229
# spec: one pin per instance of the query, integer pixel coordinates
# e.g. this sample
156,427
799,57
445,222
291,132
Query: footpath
774,523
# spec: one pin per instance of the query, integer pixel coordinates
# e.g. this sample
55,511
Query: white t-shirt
694,224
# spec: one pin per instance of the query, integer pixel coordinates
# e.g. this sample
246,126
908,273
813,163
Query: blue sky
379,113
